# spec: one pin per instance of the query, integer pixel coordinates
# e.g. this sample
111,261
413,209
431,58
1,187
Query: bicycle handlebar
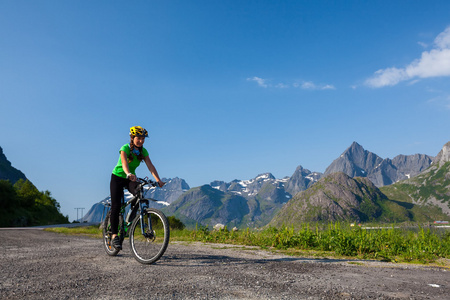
145,181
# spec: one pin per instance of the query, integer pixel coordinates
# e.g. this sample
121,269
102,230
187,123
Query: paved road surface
36,264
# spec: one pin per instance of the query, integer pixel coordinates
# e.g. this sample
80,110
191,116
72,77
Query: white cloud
261,82
422,44
282,86
443,39
433,63
309,85
390,76
305,85
441,101
328,87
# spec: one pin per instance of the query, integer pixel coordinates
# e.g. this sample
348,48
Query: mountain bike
147,228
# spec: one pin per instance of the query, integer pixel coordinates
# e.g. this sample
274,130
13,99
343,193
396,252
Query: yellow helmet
138,131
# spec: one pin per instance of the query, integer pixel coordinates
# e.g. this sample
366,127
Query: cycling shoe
116,243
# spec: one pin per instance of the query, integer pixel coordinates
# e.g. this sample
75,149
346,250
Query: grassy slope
417,194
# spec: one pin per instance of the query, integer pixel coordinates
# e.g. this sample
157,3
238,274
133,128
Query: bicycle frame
139,199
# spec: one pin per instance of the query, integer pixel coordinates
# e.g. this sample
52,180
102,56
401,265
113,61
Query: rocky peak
443,156
176,183
357,162
354,161
170,192
301,180
354,149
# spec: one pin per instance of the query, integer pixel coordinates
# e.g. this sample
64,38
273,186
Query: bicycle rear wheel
106,232
148,246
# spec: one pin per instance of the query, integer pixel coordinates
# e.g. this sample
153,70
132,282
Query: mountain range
255,202
240,203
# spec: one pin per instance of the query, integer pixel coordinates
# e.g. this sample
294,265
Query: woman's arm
126,169
152,170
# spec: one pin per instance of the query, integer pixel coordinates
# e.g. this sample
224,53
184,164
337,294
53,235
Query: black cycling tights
116,186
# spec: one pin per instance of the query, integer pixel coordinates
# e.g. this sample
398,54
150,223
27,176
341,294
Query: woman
124,175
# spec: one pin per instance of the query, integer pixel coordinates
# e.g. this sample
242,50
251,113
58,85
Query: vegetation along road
37,264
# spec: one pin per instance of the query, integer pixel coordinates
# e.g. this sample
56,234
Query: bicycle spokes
149,236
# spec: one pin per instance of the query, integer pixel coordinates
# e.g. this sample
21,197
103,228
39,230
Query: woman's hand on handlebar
150,182
132,177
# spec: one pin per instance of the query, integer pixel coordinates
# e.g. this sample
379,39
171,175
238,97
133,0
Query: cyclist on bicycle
123,175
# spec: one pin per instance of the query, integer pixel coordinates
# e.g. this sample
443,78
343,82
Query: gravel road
36,264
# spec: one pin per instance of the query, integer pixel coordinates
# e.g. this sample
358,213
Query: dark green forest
22,204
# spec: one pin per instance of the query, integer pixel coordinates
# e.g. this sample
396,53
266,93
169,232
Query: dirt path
36,264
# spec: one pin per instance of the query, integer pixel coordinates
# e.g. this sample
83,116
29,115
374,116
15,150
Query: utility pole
78,208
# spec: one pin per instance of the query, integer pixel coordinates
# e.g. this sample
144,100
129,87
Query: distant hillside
338,197
7,171
431,188
21,203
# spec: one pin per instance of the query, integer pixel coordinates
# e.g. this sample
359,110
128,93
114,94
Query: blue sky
227,89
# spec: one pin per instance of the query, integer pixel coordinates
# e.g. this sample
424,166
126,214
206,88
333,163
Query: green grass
333,240
93,231
397,245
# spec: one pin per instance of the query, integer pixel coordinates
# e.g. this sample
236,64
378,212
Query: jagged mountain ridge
258,200
249,188
355,161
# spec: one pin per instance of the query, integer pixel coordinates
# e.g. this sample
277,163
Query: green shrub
175,224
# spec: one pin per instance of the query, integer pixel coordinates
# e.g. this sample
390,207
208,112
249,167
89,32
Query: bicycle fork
146,227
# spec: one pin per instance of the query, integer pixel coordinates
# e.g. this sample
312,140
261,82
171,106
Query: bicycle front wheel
149,236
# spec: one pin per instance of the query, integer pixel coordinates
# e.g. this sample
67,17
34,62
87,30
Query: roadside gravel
36,264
